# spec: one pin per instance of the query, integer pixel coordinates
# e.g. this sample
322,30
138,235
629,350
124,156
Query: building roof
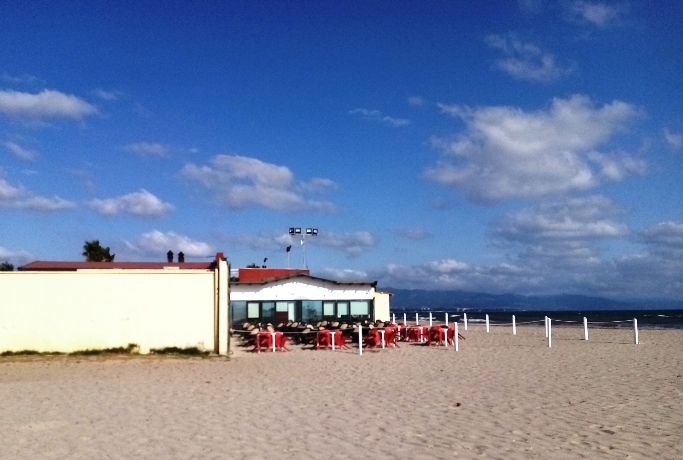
42,265
255,274
305,275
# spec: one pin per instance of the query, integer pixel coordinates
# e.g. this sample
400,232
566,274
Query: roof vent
181,257
169,256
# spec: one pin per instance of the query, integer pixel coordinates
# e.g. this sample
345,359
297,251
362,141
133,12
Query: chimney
169,256
181,257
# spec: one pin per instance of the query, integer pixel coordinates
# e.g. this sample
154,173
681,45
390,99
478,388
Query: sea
664,319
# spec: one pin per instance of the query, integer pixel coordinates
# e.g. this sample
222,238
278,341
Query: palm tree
93,252
6,267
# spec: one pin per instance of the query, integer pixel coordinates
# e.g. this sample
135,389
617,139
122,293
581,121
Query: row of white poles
548,326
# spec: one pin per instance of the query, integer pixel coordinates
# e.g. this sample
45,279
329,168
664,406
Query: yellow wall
382,306
95,309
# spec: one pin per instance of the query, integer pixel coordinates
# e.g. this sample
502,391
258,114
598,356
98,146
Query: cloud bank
506,152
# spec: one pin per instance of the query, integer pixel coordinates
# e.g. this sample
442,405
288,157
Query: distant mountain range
412,299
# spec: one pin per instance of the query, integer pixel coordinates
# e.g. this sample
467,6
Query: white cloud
526,61
19,151
46,104
352,244
569,220
666,235
20,198
416,101
16,258
507,152
157,243
599,14
376,115
147,148
451,274
21,79
413,233
346,274
107,95
141,204
273,241
675,140
238,182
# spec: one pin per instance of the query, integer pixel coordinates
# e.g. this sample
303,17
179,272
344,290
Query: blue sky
534,148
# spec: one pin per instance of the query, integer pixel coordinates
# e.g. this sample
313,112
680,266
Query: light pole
296,231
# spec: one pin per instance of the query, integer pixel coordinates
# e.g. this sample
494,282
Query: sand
500,396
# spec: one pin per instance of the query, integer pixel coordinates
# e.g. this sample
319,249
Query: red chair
323,339
391,336
372,339
281,341
340,339
451,334
264,340
416,333
435,336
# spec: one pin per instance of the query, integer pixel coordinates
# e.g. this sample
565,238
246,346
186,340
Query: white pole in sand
332,334
446,320
430,319
487,323
455,337
635,329
514,326
465,320
585,328
404,319
394,321
550,333
360,339
417,319
273,341
546,327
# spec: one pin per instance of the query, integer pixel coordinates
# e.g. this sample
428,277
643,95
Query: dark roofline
304,275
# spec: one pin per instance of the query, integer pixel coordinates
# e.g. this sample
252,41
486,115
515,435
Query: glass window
268,310
328,309
281,306
342,309
253,310
360,308
311,310
238,312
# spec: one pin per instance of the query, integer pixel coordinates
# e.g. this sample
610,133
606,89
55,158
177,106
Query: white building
279,295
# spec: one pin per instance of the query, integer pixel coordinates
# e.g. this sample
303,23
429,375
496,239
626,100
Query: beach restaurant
51,306
276,295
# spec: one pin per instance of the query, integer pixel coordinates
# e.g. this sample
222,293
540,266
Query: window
342,309
360,309
268,311
328,309
311,310
253,310
238,313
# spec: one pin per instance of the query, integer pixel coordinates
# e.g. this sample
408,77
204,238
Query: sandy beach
500,396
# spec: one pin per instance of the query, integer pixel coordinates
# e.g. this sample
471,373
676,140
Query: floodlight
297,231
291,230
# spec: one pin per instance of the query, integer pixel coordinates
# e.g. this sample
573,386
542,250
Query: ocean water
670,319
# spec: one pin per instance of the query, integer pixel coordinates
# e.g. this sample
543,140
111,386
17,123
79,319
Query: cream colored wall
382,306
95,309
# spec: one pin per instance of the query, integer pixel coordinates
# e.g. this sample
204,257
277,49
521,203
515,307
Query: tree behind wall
6,267
93,252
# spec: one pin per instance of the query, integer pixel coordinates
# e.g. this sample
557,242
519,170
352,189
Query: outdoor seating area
326,335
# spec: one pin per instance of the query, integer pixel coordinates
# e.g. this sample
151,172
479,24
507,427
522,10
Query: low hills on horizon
415,299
